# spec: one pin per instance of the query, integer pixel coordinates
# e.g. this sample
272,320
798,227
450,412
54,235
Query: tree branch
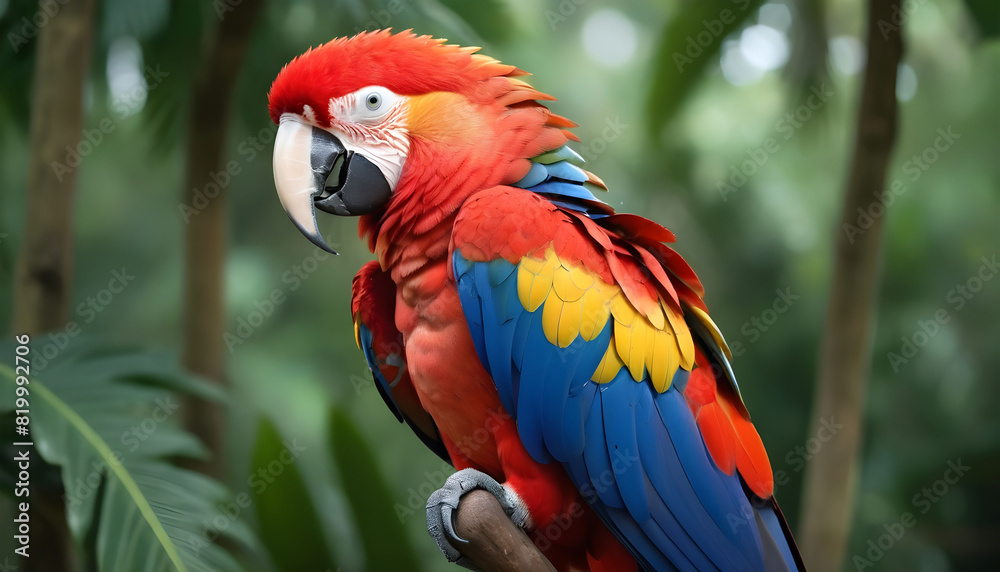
496,544
845,353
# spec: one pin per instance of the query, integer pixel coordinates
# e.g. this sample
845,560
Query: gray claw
443,502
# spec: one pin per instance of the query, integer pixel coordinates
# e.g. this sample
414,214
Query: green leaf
17,61
370,498
127,507
689,43
490,18
986,15
289,525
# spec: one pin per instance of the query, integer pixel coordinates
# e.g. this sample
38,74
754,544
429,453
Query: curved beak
304,158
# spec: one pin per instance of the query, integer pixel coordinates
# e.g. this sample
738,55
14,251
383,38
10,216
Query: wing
373,304
600,346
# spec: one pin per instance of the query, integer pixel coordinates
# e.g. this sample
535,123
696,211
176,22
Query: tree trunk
845,353
205,255
44,274
43,277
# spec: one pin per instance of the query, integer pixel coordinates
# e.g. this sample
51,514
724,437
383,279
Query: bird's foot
443,504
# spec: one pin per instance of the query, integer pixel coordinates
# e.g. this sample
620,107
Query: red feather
631,226
373,303
719,437
732,441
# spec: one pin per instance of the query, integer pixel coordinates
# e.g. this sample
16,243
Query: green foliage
16,62
490,18
104,417
370,498
286,513
986,15
686,47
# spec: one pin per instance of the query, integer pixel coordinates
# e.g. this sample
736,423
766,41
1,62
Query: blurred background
735,131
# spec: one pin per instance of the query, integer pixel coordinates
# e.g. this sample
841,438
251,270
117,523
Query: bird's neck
415,228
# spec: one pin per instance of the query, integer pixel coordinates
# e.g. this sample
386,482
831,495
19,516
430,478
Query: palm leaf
105,418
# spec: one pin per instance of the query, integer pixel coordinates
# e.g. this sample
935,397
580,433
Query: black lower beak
361,188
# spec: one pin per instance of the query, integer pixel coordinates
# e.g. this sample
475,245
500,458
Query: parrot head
381,119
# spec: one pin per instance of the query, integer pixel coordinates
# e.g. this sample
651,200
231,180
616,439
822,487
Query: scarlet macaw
556,352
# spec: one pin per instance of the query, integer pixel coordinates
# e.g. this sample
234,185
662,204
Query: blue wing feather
563,426
474,316
618,404
530,399
600,476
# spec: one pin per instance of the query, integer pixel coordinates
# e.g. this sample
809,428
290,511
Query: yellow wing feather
576,302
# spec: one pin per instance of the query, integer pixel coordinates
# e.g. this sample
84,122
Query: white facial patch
371,121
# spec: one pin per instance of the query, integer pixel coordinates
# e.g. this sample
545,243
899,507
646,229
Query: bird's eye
371,104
